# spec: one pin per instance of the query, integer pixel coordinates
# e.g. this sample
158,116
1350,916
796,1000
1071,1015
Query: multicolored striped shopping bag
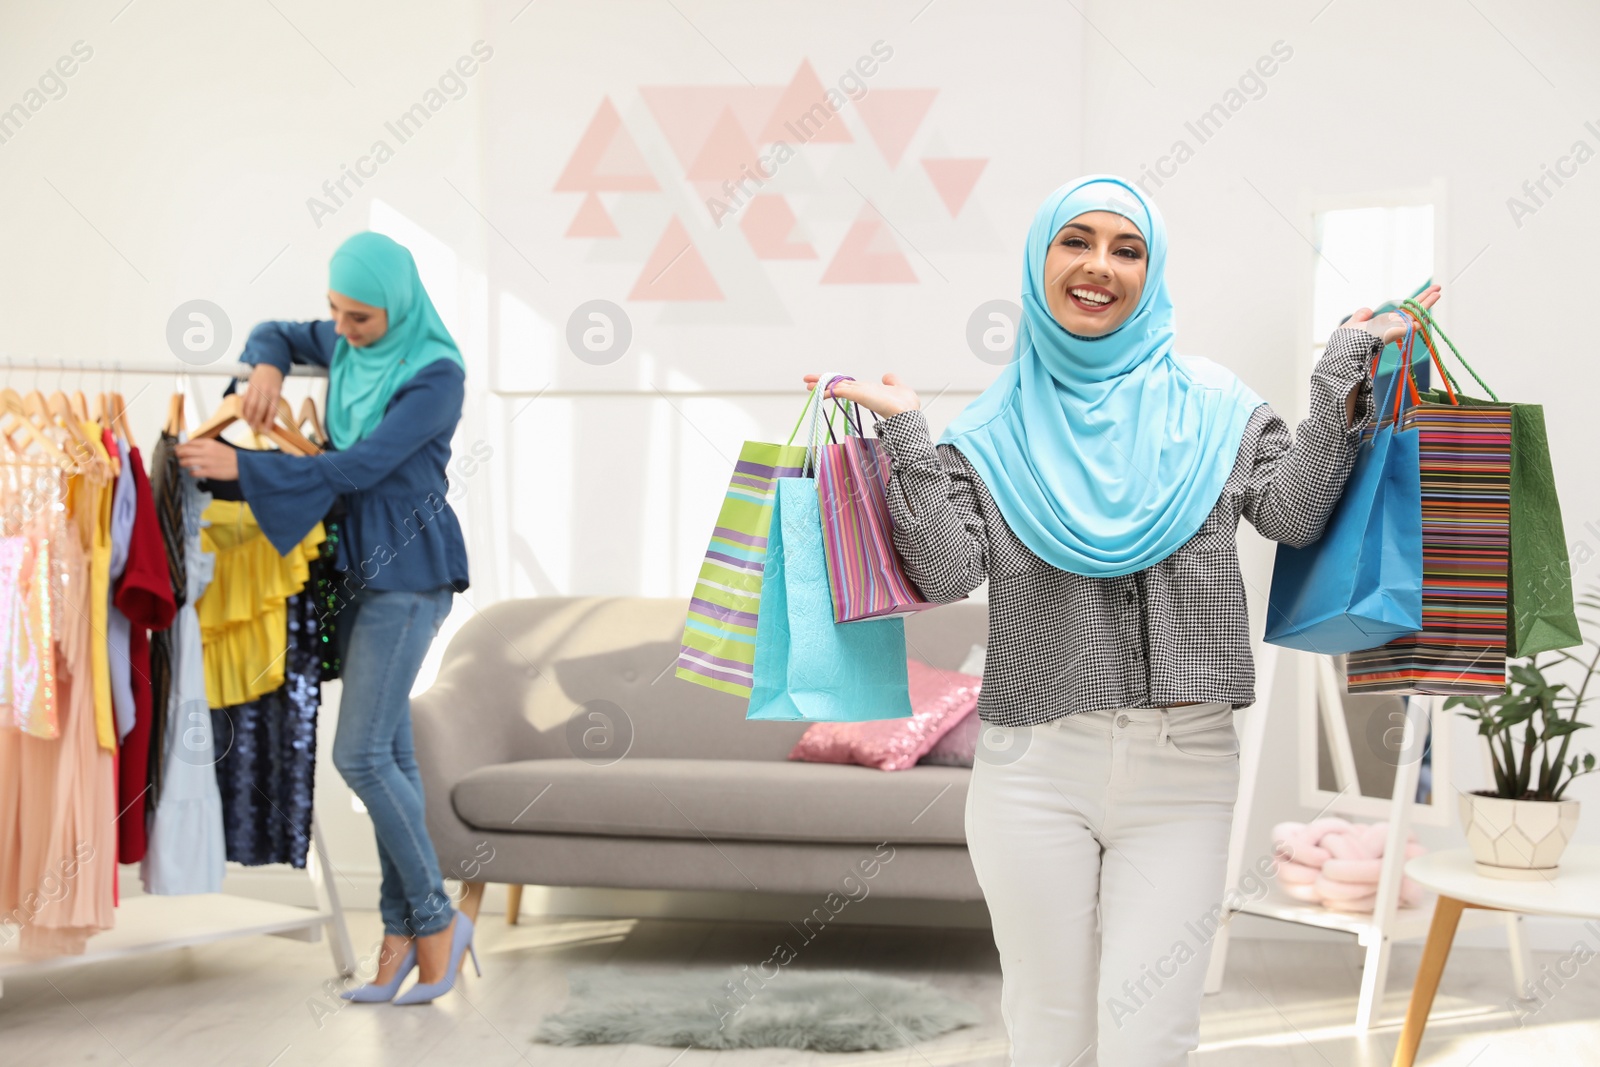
865,575
1465,455
719,636
1540,613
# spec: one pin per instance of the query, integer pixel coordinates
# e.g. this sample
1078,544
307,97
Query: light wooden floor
259,1003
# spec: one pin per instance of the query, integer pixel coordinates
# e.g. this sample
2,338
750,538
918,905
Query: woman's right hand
261,393
1390,327
890,398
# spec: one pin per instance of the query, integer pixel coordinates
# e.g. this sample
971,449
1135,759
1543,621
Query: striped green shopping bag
719,636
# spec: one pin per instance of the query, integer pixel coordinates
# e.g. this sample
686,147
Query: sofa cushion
939,698
719,799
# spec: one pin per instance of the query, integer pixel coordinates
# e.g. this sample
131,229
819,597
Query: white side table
1573,892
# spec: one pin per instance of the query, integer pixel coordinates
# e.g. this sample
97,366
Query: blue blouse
400,532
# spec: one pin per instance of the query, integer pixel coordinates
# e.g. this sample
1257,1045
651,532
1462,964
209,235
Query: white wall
179,162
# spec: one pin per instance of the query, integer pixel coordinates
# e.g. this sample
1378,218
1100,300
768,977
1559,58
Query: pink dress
58,794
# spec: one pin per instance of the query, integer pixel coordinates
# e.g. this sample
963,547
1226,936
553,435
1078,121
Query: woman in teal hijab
395,392
377,271
1096,486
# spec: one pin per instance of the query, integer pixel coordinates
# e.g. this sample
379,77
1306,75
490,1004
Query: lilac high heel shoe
373,993
460,942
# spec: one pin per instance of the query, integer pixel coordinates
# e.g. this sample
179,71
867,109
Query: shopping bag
719,635
808,667
1360,584
1540,615
865,576
1465,462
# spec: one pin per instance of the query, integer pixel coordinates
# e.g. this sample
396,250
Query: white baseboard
358,890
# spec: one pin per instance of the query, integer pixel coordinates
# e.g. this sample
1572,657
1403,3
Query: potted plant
1520,828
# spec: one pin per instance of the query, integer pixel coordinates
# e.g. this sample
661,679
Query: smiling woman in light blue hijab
1096,487
1104,454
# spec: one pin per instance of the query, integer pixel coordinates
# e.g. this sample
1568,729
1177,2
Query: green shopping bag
719,636
1540,615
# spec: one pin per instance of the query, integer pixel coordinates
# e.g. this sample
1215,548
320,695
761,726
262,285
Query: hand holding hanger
261,394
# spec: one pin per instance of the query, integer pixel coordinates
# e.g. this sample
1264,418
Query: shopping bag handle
840,405
852,412
810,396
1395,391
824,386
1417,309
1403,372
1433,354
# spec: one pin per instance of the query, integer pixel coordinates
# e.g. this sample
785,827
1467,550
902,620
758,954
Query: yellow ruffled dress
244,616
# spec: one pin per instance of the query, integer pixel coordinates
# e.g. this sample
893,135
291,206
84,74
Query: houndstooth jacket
1063,643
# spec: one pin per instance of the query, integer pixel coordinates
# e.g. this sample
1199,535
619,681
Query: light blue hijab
1103,454
378,270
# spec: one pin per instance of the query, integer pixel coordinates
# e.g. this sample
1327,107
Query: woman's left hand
1391,325
209,459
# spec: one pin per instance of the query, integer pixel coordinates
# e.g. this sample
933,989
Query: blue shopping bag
1359,585
809,668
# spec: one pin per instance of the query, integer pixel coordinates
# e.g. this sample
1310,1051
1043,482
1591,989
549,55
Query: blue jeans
385,635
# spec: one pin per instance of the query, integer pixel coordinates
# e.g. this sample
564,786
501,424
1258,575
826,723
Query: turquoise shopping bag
809,668
1359,585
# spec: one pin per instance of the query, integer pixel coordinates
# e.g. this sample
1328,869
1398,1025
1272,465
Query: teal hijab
377,270
1103,454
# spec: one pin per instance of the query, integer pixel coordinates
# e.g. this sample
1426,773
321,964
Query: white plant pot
1517,839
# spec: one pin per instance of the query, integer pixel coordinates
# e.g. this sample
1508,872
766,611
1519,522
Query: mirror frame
1321,689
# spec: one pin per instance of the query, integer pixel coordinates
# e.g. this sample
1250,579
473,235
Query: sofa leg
513,904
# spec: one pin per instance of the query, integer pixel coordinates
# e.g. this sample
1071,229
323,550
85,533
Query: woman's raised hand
260,404
890,398
1391,325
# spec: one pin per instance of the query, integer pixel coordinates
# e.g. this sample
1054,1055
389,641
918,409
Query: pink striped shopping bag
865,574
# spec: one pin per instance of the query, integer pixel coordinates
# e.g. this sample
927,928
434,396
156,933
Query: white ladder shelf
1388,922
147,924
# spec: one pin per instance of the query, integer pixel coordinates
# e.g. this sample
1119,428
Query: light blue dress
118,629
186,853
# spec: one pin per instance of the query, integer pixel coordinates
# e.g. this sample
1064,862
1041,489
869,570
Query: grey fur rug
829,1011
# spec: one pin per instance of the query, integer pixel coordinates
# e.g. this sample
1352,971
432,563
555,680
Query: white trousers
1101,841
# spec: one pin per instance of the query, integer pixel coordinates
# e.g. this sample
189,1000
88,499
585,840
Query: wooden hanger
79,405
308,413
103,420
38,407
12,403
173,427
119,418
86,457
231,410
8,426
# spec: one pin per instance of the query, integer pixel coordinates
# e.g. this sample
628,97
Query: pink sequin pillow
939,700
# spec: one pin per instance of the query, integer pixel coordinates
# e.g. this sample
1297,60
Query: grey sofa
558,748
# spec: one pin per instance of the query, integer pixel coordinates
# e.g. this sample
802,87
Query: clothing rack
225,370
149,923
